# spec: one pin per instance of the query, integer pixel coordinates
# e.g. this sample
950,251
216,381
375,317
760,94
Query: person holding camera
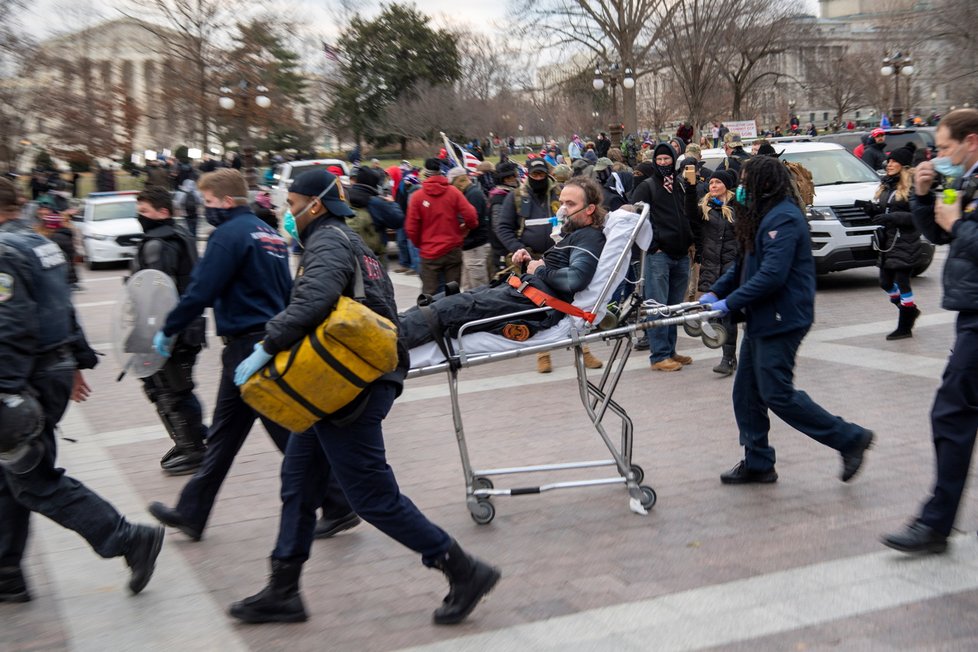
897,241
954,418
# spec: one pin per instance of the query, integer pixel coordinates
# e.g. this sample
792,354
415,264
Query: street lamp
896,64
614,73
226,102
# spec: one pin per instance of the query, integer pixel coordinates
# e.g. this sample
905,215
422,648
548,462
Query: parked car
287,173
840,231
922,137
108,228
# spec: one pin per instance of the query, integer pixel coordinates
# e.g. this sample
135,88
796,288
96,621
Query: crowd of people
734,238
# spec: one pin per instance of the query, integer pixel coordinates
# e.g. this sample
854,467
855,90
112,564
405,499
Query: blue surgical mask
741,195
944,166
289,225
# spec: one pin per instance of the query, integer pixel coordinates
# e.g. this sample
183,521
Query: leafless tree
845,78
14,48
626,31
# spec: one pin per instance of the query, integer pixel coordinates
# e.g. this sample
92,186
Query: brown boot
544,365
591,361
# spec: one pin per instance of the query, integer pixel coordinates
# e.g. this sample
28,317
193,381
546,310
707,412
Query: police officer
951,220
41,348
170,249
244,275
350,443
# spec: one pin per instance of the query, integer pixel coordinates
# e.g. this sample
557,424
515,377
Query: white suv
108,228
840,231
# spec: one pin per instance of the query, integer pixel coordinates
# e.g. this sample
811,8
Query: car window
833,167
849,141
918,138
296,170
113,211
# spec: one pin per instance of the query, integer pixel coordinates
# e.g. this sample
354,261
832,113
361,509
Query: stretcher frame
596,397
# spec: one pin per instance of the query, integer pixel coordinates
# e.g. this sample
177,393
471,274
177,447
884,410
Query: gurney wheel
648,497
692,328
638,472
481,482
719,340
483,512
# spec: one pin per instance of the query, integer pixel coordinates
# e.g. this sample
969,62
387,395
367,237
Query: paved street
791,566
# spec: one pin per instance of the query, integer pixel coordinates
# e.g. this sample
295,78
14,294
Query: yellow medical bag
328,368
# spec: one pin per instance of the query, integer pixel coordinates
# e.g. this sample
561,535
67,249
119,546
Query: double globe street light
895,65
614,73
227,102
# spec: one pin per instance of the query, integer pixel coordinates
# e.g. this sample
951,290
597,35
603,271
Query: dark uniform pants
233,420
954,420
48,491
171,390
765,380
355,455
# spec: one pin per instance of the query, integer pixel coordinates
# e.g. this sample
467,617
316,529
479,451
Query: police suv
108,228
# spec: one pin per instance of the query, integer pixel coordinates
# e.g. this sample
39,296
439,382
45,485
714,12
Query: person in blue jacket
772,287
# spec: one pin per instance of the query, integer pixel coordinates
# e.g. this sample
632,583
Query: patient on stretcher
565,269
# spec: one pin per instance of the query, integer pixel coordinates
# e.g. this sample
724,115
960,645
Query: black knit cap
904,155
432,164
726,177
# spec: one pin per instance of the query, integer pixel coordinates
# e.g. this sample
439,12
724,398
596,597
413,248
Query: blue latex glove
720,305
251,365
709,297
162,344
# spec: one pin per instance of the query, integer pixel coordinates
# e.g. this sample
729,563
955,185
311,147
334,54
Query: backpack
363,225
803,181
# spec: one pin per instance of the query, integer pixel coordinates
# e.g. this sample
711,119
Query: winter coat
384,214
900,243
961,267
774,285
327,271
602,145
480,235
670,212
874,156
432,222
716,247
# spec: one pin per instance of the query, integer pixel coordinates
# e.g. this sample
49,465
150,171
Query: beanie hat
904,155
507,169
433,165
645,168
727,177
366,176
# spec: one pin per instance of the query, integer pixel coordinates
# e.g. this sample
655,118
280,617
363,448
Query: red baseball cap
875,133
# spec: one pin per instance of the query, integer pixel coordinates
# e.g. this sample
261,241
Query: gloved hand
708,298
880,218
720,305
162,344
251,365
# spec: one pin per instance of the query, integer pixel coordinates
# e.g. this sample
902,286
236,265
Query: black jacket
527,224
735,161
900,243
479,236
716,247
670,211
325,272
874,156
169,248
961,267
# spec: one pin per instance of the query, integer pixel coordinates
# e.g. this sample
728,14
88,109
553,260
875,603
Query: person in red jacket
438,218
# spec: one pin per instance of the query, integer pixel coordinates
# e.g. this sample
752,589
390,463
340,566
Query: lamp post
614,73
896,64
791,114
226,102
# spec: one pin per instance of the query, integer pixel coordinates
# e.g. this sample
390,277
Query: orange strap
542,299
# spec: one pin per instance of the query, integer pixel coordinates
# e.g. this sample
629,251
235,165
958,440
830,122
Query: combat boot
591,361
279,602
13,587
142,549
726,367
904,329
469,580
544,366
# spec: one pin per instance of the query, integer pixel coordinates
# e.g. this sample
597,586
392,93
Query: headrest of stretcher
618,229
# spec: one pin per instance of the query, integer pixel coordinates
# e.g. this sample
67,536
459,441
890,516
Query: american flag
460,156
331,53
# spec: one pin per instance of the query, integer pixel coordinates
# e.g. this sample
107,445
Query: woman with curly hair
772,284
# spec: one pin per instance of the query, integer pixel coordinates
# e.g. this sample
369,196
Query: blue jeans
765,381
666,279
48,491
407,253
355,455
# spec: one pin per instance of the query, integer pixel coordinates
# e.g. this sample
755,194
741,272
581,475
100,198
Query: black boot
145,542
726,366
172,518
182,461
904,329
469,579
13,588
279,602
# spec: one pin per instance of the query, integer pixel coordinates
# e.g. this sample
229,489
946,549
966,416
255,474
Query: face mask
666,170
290,222
218,216
944,166
538,185
741,196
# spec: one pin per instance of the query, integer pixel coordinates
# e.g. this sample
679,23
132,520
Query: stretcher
615,323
